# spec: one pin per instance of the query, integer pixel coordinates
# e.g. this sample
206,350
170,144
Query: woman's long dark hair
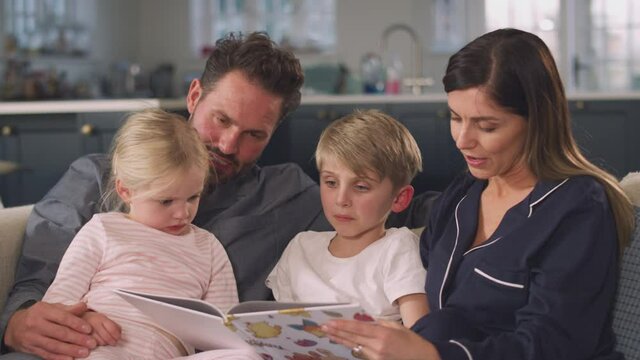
517,71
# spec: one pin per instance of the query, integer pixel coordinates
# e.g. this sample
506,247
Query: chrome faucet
416,81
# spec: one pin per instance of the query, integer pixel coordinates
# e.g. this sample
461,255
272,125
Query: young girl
159,168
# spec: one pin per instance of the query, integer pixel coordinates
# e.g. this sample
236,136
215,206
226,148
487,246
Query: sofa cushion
12,222
626,313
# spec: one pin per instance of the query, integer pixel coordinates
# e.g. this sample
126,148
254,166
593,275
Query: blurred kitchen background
80,49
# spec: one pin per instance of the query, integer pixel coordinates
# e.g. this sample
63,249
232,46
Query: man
248,86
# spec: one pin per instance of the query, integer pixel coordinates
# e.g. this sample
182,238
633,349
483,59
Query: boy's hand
105,331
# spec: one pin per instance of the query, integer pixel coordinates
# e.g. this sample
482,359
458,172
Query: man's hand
51,331
105,330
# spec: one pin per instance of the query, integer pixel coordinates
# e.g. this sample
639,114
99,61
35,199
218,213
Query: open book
275,330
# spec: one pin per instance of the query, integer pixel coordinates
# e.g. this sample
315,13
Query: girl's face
490,138
172,208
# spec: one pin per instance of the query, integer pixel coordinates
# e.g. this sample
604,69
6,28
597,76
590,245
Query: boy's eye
361,187
194,198
165,202
330,183
455,118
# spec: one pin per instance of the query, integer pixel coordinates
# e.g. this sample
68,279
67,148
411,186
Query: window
539,17
596,43
449,26
45,27
302,25
612,61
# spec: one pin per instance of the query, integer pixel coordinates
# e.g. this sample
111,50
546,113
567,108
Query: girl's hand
381,340
105,331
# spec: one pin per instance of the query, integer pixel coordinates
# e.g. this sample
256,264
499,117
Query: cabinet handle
322,114
580,105
441,114
7,130
87,129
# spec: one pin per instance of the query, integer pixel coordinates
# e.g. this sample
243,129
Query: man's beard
224,167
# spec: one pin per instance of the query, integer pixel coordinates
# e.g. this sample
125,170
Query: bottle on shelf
372,72
394,76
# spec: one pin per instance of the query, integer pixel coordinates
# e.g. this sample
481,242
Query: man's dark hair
262,61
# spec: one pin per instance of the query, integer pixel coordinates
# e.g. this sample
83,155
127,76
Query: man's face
235,120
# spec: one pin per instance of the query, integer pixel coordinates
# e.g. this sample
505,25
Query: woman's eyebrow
477,118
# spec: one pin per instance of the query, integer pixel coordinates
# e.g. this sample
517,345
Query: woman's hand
381,340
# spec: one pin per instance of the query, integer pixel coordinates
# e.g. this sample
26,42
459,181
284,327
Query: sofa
626,313
12,224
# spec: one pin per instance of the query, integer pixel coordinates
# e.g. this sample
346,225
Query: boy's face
170,210
357,206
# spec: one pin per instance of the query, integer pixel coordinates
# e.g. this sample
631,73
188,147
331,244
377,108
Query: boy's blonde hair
153,146
370,140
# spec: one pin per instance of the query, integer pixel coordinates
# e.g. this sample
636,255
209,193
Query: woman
522,249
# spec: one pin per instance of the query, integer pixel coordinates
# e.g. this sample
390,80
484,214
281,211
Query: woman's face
490,138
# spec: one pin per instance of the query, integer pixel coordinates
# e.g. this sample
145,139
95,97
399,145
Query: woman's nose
464,137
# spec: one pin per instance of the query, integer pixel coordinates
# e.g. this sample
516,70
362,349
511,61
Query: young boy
366,162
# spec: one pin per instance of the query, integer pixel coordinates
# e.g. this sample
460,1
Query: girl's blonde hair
371,140
153,146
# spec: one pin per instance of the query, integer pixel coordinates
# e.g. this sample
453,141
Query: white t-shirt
375,278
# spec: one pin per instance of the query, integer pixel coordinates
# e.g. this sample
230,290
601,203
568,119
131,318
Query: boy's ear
123,191
402,199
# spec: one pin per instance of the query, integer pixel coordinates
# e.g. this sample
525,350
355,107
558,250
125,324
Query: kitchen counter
82,106
127,105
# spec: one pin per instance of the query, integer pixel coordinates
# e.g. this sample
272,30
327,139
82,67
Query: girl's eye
165,202
455,118
194,198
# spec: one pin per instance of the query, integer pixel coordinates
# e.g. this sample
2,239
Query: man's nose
228,141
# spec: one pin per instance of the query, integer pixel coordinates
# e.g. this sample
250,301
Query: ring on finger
356,351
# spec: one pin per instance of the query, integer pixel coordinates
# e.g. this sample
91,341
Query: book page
295,333
264,305
193,321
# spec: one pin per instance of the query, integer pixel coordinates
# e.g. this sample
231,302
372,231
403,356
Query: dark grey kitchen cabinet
46,144
429,125
98,130
303,130
607,132
43,146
